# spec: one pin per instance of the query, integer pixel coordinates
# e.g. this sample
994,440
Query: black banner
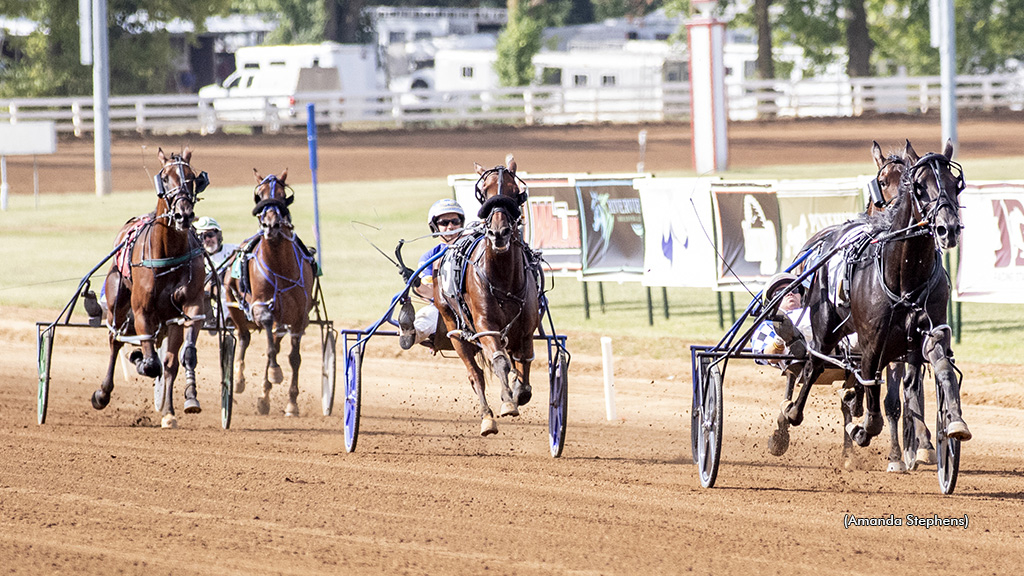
612,227
749,228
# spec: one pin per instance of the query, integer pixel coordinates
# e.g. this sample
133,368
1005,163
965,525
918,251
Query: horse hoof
488,427
150,367
263,406
240,383
192,406
292,410
793,416
925,457
275,375
778,444
100,400
508,409
959,431
856,433
169,421
525,395
897,466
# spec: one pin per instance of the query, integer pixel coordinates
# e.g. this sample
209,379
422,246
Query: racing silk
221,256
765,335
427,274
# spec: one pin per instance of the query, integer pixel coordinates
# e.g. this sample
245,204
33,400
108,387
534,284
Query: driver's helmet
778,282
443,206
206,223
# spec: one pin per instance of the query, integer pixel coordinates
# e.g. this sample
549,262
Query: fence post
140,117
76,118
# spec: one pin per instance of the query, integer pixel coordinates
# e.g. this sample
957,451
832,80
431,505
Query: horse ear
160,156
948,151
876,153
510,163
256,173
479,169
283,176
910,154
186,155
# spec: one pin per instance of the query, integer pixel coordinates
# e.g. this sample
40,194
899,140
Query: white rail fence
518,106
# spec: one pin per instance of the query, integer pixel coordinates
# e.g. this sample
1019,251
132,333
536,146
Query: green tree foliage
517,45
140,53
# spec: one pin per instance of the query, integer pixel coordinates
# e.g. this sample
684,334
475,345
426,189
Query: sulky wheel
44,344
702,370
353,393
709,428
558,408
227,378
328,373
947,450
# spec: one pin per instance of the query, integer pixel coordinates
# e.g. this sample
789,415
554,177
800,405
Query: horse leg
794,411
917,440
935,347
266,319
893,379
522,392
778,443
476,379
189,360
244,337
170,369
294,359
873,422
101,397
501,366
848,403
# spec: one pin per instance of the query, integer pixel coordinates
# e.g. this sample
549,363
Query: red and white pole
708,114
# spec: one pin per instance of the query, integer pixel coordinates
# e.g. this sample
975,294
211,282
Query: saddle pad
837,267
123,257
452,271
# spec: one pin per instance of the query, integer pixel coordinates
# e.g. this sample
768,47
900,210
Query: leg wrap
188,357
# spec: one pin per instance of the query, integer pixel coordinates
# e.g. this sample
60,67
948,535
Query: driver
445,215
787,331
220,254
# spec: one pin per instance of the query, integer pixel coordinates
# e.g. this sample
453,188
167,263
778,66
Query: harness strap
173,261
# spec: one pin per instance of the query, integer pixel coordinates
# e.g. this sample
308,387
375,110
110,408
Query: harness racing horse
154,289
275,291
900,376
898,295
501,309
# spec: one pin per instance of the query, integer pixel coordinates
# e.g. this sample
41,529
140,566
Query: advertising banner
678,232
611,221
747,232
992,244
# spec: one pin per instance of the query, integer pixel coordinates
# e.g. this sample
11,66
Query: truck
272,84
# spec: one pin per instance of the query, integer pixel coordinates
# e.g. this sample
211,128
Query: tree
140,50
517,45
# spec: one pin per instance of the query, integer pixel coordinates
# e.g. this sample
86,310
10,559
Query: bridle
929,208
187,188
507,204
481,196
273,203
875,187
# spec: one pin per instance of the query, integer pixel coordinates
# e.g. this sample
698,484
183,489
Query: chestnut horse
898,295
279,292
499,309
154,290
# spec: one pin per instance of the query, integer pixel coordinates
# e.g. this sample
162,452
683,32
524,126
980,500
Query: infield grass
46,250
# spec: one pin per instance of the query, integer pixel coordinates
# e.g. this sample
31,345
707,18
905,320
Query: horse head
178,188
934,183
500,195
885,186
272,201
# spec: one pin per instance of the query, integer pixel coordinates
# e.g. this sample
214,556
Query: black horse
898,293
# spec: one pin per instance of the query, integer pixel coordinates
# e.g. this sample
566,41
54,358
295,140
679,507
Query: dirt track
109,492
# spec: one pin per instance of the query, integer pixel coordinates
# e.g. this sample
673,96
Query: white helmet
206,223
444,206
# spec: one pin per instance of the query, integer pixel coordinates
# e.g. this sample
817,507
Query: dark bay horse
501,311
275,293
904,393
154,290
898,294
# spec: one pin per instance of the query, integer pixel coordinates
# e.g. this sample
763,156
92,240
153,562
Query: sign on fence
992,244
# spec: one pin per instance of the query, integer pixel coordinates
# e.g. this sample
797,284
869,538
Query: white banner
992,244
679,225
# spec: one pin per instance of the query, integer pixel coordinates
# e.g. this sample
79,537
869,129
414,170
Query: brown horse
898,295
154,290
276,291
498,310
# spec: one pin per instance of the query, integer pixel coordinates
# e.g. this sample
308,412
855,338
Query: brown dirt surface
110,492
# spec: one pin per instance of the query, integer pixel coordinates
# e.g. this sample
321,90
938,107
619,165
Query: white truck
272,84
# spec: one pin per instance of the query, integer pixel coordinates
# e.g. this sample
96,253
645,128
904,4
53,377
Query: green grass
45,251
